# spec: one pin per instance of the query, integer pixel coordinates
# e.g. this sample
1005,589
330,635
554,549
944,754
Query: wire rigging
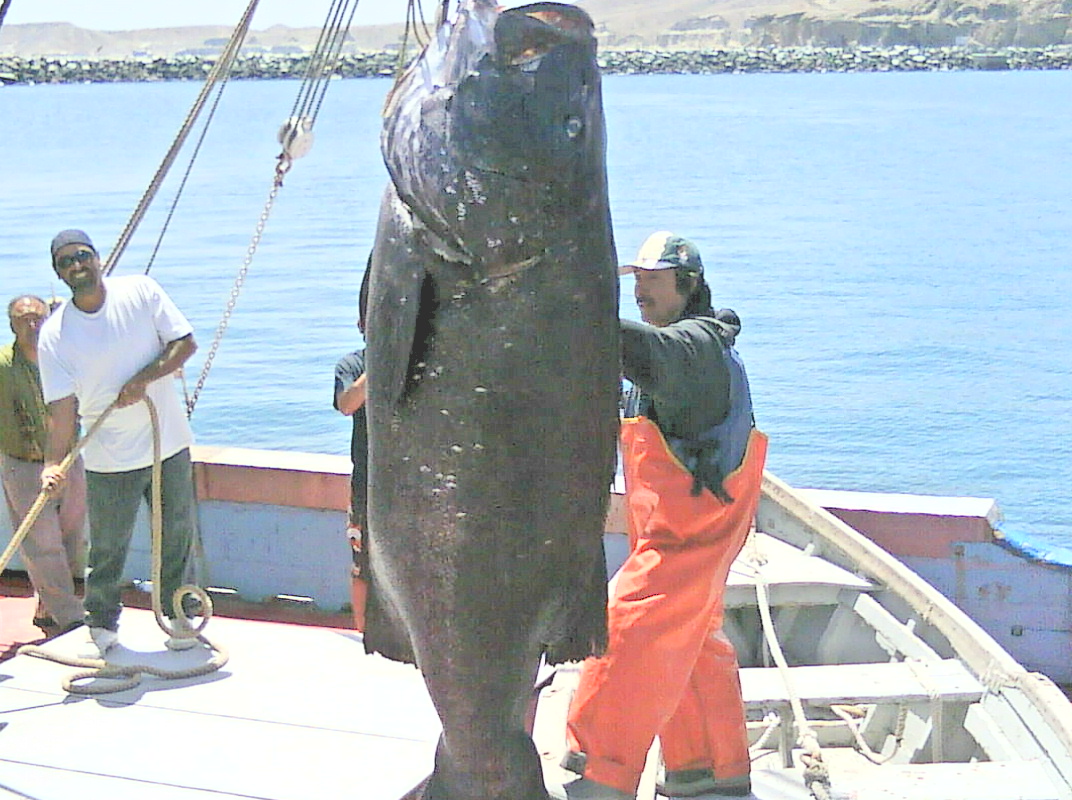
415,14
186,175
221,68
296,137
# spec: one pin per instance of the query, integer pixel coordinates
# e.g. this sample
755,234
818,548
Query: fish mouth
524,35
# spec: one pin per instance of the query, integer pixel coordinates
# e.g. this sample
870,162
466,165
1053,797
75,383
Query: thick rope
120,677
816,774
760,748
850,716
45,496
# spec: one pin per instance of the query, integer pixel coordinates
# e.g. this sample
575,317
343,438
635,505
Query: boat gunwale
840,543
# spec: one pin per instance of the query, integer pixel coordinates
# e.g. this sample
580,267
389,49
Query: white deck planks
301,713
298,713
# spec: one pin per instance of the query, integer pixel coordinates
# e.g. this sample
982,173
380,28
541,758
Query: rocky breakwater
901,58
183,68
632,62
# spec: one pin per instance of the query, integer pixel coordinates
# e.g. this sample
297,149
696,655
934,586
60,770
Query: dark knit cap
70,236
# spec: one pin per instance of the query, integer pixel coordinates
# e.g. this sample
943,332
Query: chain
280,171
296,138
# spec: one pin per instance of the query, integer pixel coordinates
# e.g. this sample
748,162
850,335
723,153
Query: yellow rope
97,669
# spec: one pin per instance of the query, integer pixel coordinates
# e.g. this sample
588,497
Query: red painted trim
925,535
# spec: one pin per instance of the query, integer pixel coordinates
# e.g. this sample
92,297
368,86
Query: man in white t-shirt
119,340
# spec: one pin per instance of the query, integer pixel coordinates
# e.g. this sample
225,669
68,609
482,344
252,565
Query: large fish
493,379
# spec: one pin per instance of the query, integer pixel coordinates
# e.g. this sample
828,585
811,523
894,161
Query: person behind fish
118,340
349,400
693,464
54,547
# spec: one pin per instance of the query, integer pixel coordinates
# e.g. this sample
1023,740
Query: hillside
706,24
66,40
634,24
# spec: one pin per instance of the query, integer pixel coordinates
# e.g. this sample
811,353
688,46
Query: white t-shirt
93,355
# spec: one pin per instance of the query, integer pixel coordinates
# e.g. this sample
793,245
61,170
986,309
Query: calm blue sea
899,247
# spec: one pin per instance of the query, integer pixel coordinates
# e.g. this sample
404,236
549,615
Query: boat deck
301,712
298,712
17,606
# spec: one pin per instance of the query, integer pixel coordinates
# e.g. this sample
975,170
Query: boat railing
791,518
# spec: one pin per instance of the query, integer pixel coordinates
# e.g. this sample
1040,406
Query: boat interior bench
932,684
792,576
849,684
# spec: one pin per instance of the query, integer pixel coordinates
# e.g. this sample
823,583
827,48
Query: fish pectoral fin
400,308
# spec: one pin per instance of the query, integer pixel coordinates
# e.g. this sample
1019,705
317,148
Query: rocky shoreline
902,58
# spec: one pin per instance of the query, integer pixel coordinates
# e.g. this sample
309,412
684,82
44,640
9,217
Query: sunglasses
81,257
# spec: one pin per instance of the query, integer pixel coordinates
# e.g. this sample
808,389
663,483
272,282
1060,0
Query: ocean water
899,247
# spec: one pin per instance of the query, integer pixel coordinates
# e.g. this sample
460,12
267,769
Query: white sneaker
180,642
103,639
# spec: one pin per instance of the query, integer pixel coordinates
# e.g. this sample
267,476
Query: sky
115,15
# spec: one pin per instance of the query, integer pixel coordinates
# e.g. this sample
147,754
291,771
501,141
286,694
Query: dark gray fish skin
493,369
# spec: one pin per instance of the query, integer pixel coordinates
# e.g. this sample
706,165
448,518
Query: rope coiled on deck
122,677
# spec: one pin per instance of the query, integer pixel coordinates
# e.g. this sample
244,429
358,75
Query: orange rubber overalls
669,670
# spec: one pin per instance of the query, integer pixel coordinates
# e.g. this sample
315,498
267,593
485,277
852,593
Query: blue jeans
113,499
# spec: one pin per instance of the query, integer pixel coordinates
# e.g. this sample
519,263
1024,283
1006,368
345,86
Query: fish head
496,134
529,110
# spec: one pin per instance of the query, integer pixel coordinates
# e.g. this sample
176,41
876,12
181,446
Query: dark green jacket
679,372
23,416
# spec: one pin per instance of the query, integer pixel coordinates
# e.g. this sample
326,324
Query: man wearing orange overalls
693,464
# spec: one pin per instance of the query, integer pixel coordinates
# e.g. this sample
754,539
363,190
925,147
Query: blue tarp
1034,547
